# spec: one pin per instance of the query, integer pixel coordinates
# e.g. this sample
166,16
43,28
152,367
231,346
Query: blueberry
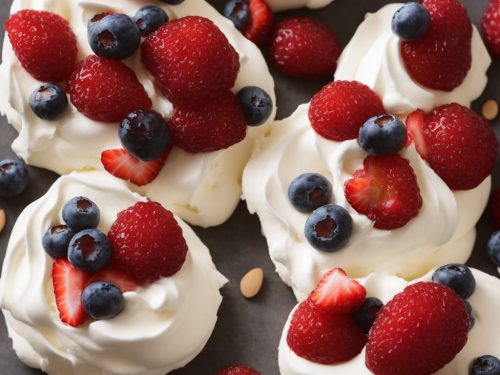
144,134
56,241
309,191
382,135
115,36
238,12
365,317
411,21
257,105
81,213
149,19
172,2
89,250
493,248
49,102
470,314
13,178
458,277
485,365
102,300
328,228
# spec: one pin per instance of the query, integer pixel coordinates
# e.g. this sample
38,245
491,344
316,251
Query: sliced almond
490,110
3,219
251,283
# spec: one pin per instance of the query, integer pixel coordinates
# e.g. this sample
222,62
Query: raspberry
191,59
238,370
147,242
106,90
491,27
322,337
386,190
44,44
418,332
449,139
341,108
441,59
304,47
212,125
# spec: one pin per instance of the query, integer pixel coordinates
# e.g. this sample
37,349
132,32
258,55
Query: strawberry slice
415,127
260,23
69,283
338,293
121,164
112,275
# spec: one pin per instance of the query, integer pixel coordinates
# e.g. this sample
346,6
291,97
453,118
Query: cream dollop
204,188
483,337
164,325
443,232
278,5
373,57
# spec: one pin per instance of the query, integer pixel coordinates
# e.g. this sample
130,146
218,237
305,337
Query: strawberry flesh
260,22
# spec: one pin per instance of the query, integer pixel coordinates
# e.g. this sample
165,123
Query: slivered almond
490,109
251,283
3,219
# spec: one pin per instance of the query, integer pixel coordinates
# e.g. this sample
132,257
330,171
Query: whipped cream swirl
483,337
164,324
443,232
204,188
373,57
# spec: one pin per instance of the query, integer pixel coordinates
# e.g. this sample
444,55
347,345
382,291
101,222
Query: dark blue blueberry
485,365
457,277
102,300
238,12
328,228
115,36
144,134
411,21
172,2
382,135
149,19
13,178
470,314
365,317
49,102
309,191
56,241
257,105
493,248
81,213
89,250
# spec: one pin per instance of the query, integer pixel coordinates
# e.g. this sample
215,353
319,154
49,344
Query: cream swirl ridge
204,188
294,148
373,57
178,313
482,338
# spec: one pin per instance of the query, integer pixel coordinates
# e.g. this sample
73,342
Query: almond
490,110
251,283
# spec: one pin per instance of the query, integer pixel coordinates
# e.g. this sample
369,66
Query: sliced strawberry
338,294
261,21
121,164
415,127
386,190
112,275
69,283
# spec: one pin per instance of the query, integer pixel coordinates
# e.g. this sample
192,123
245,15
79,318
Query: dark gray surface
248,331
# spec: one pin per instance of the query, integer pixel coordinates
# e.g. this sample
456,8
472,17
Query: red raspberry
491,27
191,59
495,202
449,139
260,22
304,47
322,337
147,242
214,124
106,90
442,58
418,332
44,44
238,370
386,190
341,108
